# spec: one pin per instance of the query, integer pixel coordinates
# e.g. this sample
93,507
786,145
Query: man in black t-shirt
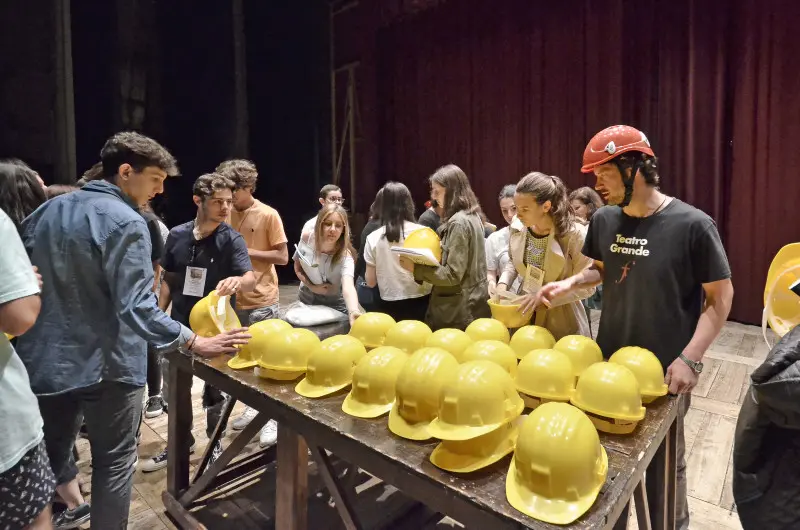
666,279
203,255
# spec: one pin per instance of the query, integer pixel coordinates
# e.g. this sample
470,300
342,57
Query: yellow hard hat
330,366
284,355
647,369
529,338
408,335
545,375
417,392
609,392
466,456
582,352
781,305
488,329
509,314
371,328
495,351
558,467
374,379
260,332
475,400
208,319
425,238
453,340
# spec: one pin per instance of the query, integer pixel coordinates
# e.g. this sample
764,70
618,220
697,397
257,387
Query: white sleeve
349,266
16,270
369,250
492,261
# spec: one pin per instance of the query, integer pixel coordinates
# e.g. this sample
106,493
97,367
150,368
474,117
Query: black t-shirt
223,253
430,219
155,236
361,265
654,270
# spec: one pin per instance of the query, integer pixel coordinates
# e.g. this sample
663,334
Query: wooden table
477,500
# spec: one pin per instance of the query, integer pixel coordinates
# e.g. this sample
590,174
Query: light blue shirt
20,419
99,312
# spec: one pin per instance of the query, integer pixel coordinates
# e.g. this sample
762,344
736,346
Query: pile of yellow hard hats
408,335
475,402
330,365
495,351
558,466
371,329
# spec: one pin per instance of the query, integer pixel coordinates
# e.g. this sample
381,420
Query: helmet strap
628,181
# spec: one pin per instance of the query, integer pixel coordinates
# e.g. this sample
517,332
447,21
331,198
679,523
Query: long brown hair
589,197
458,192
550,188
343,245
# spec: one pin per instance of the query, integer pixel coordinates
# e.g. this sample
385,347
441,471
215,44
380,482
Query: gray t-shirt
19,410
655,268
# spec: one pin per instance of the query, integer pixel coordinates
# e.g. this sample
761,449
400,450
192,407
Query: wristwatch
697,366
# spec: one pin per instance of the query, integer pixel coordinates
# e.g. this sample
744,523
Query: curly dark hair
242,172
137,150
20,192
206,185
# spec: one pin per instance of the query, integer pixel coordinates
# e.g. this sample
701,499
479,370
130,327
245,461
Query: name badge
534,277
195,282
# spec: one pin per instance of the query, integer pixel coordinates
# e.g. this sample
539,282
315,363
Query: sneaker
244,420
155,407
215,453
159,461
269,434
72,518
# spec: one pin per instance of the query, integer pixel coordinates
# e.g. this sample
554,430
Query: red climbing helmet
612,142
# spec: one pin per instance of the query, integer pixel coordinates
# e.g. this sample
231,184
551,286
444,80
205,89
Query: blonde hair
343,245
550,188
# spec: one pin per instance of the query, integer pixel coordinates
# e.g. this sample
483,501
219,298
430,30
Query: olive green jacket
460,291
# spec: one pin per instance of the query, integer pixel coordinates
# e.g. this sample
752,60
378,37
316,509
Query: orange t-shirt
262,229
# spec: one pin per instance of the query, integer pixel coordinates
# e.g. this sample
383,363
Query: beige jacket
566,316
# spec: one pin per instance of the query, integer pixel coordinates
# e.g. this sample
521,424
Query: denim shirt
98,311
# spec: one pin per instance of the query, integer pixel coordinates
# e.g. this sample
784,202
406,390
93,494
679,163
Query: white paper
311,269
420,256
195,281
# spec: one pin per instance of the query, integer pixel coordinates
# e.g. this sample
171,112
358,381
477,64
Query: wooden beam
65,159
291,497
242,135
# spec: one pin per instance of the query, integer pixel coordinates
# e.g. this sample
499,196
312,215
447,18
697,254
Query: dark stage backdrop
503,88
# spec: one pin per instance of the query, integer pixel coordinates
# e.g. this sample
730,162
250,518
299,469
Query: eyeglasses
335,200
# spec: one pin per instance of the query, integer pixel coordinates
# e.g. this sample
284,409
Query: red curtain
504,88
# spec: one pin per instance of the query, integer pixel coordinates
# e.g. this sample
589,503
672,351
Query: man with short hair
328,194
200,256
87,353
666,279
262,229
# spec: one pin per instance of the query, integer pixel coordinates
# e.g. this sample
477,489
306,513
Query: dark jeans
368,297
112,412
408,309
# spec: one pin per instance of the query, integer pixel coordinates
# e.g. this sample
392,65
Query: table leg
642,507
291,498
662,480
338,491
622,522
180,427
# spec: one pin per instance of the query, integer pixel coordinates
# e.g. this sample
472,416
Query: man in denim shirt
87,353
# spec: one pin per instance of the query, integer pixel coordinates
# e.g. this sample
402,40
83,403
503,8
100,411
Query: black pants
408,309
153,373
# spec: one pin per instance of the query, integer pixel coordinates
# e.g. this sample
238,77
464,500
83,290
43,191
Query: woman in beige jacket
544,246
